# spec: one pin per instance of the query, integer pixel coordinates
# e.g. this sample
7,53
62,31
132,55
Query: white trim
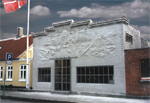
22,80
9,79
1,70
24,70
21,59
19,4
145,79
9,2
14,38
24,59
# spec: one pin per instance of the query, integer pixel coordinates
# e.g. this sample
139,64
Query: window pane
11,74
1,72
106,70
21,74
24,74
58,63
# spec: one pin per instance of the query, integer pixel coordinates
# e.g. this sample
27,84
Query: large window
95,74
44,74
22,75
145,67
1,73
9,73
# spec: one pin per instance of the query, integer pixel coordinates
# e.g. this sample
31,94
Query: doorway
62,75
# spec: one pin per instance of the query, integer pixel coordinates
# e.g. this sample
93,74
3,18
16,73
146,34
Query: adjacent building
15,71
138,71
85,57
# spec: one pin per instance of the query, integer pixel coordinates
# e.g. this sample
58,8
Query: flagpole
27,60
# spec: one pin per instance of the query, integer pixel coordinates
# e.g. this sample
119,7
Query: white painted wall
136,37
111,34
103,45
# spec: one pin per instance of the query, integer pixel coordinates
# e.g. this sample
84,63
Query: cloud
135,9
7,35
40,10
145,31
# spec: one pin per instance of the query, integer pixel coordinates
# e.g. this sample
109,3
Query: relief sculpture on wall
77,44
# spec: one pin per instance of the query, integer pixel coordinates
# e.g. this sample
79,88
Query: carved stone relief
77,44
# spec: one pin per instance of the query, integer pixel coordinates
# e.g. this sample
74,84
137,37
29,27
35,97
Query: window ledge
8,80
145,79
22,80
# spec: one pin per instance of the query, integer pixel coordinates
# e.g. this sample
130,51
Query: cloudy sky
44,12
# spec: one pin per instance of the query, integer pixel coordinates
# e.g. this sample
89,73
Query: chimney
19,32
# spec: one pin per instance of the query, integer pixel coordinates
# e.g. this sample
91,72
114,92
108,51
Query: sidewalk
47,96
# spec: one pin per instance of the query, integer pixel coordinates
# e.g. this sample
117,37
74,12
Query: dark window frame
129,38
62,75
145,73
95,74
43,75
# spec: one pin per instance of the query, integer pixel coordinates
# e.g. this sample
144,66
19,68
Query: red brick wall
133,75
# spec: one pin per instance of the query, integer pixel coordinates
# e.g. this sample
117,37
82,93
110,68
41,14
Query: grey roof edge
62,23
87,22
49,29
81,23
72,24
123,20
37,34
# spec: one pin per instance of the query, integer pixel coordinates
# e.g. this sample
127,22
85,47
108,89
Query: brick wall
133,75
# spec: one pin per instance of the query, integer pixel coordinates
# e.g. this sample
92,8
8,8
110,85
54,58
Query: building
15,72
144,43
83,57
138,71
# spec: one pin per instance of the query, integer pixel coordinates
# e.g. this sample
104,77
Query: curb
32,99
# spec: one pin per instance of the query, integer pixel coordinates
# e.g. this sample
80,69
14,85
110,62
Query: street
22,101
13,101
17,101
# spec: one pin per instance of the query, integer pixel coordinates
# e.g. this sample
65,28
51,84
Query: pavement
69,98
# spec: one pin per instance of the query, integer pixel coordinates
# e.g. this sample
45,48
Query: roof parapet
62,23
39,34
119,20
89,23
49,29
82,23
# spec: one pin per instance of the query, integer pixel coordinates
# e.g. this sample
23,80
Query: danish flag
13,5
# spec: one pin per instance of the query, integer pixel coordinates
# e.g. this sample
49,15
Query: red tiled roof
15,46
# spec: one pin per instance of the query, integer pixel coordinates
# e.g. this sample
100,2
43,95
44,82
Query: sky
45,12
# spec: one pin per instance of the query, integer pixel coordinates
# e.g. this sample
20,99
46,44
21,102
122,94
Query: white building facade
83,57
